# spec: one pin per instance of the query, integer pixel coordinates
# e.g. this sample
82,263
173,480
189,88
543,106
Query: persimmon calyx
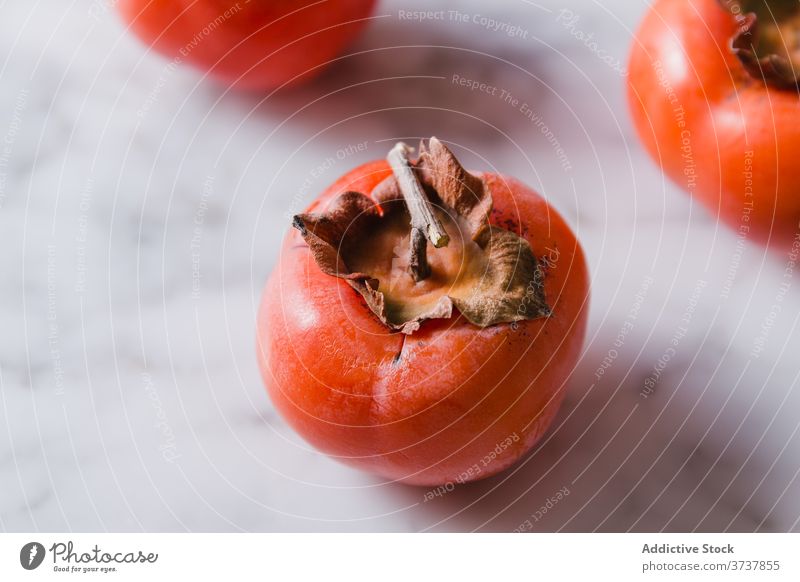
487,273
767,39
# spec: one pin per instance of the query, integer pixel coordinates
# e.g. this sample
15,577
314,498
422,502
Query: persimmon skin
253,45
439,406
736,124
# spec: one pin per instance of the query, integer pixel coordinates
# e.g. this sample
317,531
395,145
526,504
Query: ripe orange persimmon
713,88
421,364
250,44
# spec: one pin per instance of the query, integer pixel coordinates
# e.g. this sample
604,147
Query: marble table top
143,205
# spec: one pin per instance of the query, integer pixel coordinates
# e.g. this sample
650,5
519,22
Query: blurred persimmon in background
249,44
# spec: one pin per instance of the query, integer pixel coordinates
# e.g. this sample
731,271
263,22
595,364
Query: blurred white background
143,205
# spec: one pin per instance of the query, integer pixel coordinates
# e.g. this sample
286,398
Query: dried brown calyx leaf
767,40
385,246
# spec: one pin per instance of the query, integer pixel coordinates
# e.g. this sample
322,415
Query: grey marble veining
141,207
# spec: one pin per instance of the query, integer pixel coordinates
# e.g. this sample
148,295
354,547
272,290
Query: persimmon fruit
422,321
249,44
713,89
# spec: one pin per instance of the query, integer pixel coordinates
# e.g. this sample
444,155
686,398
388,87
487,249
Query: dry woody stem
424,223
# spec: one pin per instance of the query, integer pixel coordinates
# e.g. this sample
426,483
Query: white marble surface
131,398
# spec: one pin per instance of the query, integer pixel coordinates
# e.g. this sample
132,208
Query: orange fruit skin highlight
255,45
451,403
